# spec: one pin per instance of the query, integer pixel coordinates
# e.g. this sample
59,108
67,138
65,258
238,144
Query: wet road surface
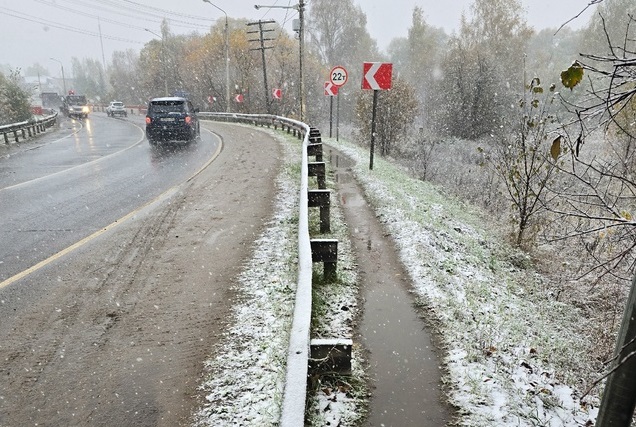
404,364
68,184
116,331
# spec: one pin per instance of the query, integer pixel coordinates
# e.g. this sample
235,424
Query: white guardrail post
295,394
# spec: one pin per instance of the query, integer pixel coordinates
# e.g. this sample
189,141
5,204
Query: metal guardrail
27,129
298,356
295,395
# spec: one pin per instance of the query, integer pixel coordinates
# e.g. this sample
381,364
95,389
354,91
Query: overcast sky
36,30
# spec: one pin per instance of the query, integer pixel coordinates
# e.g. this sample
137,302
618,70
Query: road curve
74,183
116,331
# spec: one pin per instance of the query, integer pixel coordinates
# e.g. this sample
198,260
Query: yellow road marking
98,233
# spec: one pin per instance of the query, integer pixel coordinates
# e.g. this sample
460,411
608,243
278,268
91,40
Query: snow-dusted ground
246,380
515,357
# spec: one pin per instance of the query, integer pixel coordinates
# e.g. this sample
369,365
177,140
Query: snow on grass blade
514,355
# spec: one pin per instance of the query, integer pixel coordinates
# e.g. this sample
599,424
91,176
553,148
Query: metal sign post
330,115
376,76
331,90
375,104
338,76
337,116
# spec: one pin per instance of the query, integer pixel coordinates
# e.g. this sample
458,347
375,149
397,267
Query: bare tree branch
608,373
590,4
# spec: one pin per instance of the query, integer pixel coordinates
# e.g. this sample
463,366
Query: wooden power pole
261,31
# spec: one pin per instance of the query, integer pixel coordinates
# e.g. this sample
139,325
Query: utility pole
101,42
301,42
163,59
262,48
300,7
63,78
619,397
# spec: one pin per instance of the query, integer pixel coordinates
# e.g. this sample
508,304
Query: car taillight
188,119
148,120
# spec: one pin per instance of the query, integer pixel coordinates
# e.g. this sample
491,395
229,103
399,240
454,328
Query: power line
171,12
30,18
89,15
118,9
286,19
151,11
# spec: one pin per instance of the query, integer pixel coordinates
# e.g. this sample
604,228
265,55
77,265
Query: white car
116,108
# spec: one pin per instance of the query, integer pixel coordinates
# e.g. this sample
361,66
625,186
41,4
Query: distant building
41,84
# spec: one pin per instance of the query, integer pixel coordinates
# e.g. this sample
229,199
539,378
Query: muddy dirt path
402,355
116,334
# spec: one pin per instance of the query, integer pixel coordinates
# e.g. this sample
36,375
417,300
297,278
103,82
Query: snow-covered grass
245,382
246,379
514,355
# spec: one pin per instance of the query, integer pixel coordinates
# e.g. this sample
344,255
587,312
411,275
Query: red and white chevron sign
377,75
331,89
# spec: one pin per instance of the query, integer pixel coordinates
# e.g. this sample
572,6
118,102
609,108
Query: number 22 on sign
338,75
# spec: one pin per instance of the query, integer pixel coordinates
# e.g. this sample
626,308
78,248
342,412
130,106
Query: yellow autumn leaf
572,76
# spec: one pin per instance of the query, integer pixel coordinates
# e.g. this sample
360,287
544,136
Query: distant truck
50,100
75,106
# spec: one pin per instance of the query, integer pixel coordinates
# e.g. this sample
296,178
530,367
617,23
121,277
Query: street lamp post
163,60
227,58
63,78
300,7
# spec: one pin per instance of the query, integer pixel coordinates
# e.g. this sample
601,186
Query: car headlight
85,109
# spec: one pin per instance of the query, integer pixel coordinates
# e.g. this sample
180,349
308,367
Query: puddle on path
404,366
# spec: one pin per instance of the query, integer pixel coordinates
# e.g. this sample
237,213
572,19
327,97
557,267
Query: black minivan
171,119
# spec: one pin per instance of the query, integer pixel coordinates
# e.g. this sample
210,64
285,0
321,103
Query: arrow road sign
277,93
330,89
377,75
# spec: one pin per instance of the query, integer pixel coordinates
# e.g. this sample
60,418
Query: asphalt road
117,262
70,184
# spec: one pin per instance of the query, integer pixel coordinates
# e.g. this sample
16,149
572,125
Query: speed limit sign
338,76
